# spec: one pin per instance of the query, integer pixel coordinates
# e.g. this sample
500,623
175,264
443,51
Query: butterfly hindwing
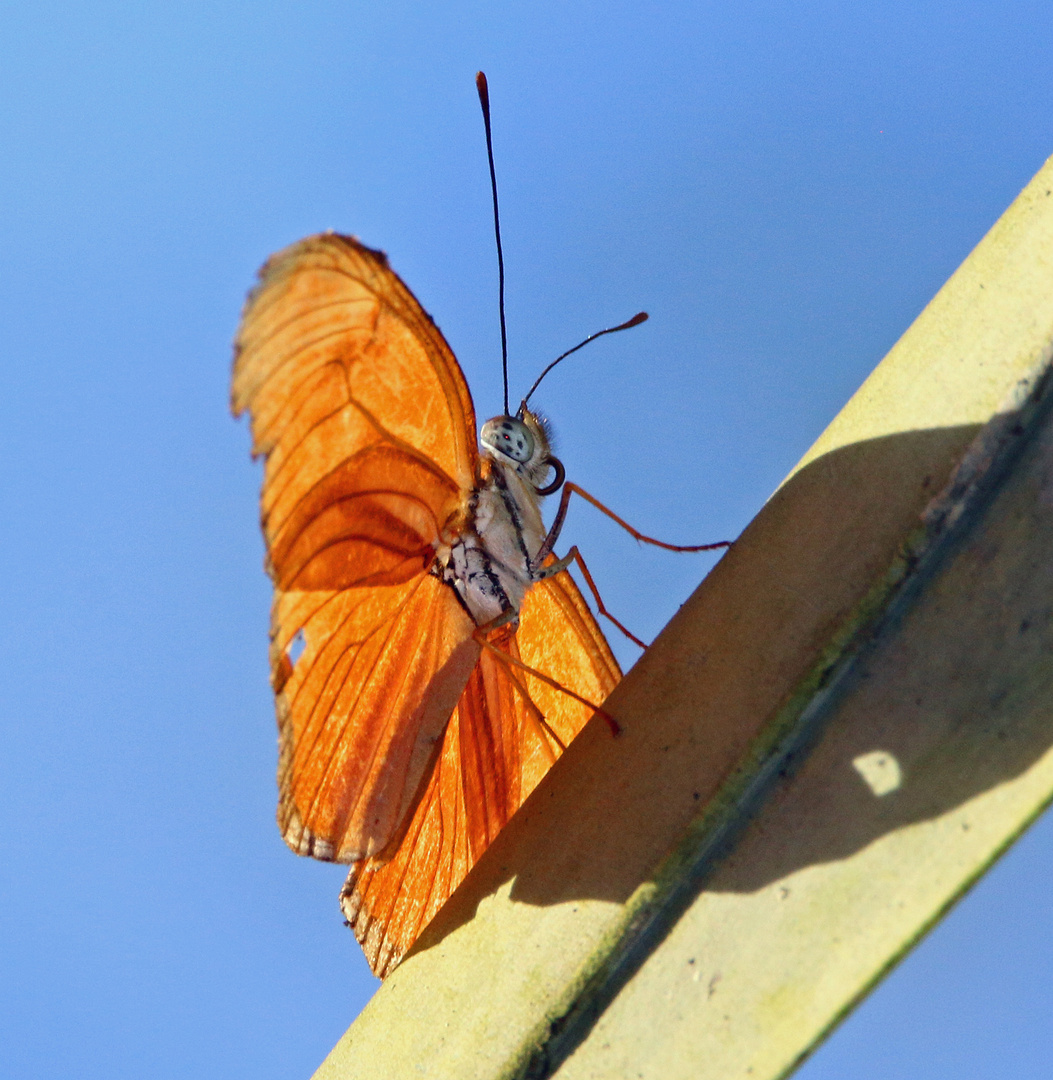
494,754
361,715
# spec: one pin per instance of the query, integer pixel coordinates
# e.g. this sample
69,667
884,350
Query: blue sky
782,186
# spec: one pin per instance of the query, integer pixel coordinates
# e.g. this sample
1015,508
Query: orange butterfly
429,657
374,503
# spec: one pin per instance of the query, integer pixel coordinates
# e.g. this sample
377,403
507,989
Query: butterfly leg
544,728
561,514
575,556
480,635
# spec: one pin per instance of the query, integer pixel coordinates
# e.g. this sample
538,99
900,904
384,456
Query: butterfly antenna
484,101
639,317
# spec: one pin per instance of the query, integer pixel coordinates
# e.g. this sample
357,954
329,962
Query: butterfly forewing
333,346
367,428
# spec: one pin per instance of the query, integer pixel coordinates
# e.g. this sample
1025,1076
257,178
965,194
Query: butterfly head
522,443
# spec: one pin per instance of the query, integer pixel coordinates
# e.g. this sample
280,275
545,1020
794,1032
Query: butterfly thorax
491,563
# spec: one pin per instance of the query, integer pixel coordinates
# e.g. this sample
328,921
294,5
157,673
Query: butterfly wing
494,753
368,433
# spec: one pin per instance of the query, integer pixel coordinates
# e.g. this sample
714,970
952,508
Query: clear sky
783,186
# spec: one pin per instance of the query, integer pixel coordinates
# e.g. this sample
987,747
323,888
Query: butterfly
405,744
430,657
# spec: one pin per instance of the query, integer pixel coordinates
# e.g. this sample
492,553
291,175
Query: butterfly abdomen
489,565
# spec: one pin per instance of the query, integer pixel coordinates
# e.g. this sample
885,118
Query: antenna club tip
481,87
639,317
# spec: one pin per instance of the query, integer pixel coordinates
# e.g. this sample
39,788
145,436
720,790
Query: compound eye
510,436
